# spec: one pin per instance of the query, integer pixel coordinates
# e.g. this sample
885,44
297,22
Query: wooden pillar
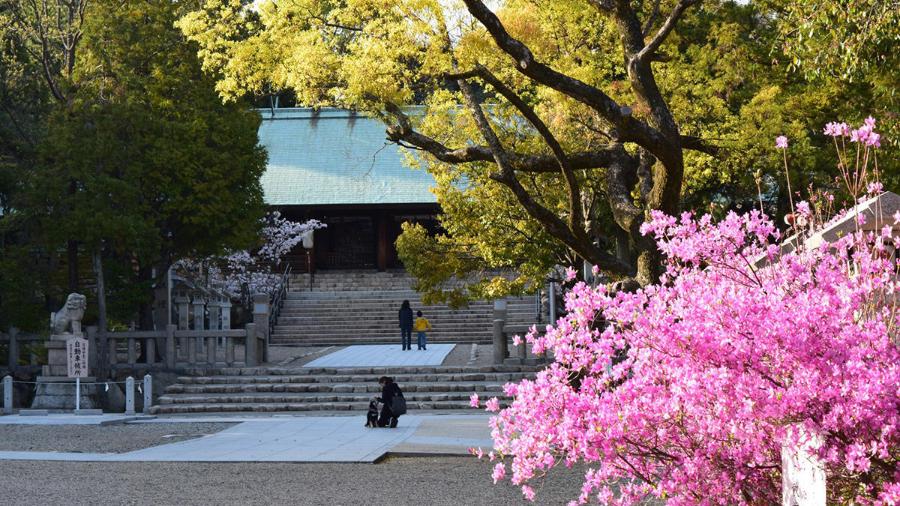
383,247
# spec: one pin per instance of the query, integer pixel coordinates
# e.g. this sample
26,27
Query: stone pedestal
56,355
54,389
58,393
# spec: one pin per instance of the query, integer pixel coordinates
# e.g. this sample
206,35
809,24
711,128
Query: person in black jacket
406,325
389,389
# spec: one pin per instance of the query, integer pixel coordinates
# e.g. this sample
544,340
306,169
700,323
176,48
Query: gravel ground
450,481
99,438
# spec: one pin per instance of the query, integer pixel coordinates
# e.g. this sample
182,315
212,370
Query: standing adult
389,390
406,325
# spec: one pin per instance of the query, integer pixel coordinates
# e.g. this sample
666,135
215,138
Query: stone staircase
360,307
269,389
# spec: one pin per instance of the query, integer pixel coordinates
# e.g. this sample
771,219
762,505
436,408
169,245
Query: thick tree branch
698,144
576,217
583,160
651,18
621,177
665,29
551,222
628,128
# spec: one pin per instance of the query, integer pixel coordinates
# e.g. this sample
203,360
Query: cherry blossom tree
686,390
258,270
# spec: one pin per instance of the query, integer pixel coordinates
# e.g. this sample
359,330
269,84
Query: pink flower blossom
835,129
473,400
499,472
570,273
866,134
781,142
492,405
528,492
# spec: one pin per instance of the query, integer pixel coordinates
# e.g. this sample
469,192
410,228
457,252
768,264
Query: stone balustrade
173,348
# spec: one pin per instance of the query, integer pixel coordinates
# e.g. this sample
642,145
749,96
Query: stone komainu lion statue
69,316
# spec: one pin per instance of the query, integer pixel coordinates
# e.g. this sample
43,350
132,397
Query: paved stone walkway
302,439
378,355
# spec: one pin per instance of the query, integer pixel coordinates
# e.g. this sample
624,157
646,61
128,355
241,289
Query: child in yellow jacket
422,324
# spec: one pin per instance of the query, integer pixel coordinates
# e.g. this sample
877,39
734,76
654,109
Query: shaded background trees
134,158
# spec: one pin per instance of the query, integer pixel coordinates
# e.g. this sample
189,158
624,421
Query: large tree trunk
72,261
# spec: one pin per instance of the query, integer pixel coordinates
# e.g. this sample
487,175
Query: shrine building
337,166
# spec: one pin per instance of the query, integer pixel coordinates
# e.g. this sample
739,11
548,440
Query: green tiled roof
333,156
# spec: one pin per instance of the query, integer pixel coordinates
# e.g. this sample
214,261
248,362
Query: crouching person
394,403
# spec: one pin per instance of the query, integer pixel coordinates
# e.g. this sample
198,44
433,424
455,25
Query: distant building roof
334,156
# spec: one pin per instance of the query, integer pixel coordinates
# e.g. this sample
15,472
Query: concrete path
378,355
303,439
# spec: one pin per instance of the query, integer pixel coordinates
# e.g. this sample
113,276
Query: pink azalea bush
687,390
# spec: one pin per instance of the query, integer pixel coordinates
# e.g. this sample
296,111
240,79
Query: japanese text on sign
77,354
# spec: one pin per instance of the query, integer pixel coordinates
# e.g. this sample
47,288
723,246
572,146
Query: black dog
372,415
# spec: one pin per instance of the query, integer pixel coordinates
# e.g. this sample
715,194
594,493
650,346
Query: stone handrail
173,348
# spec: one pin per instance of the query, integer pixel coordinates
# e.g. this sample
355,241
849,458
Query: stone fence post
129,395
261,311
250,346
499,339
148,393
170,345
7,395
499,336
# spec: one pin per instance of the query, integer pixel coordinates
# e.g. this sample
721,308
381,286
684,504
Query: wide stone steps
394,305
360,307
280,407
349,280
411,374
372,388
391,326
334,389
311,397
367,336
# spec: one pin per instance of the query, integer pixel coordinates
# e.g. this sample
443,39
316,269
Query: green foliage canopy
711,78
140,161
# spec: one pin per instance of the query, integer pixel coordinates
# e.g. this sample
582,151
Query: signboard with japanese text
77,357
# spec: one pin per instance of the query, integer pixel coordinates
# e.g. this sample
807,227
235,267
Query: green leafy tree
552,128
141,164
